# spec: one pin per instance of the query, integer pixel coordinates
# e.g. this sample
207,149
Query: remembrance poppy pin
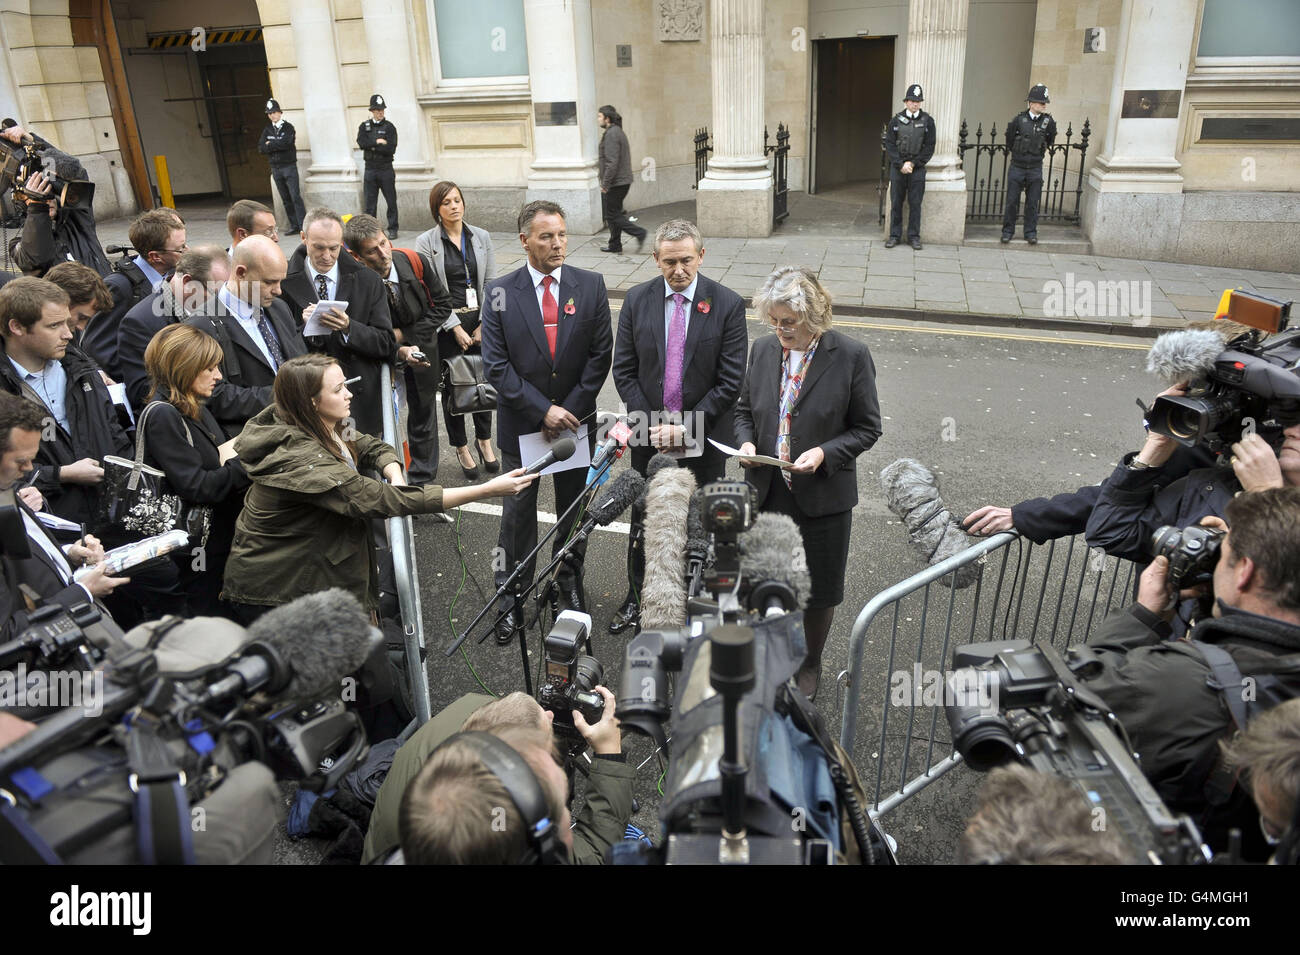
569,307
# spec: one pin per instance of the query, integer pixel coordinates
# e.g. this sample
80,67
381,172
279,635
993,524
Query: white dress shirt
670,306
246,315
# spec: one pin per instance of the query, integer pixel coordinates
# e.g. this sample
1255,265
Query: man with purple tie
679,361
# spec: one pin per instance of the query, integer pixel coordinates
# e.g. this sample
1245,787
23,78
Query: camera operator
448,813
1267,759
52,233
1030,818
48,571
1166,693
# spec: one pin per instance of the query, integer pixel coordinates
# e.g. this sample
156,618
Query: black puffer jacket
95,432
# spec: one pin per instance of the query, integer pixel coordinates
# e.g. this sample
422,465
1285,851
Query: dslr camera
571,675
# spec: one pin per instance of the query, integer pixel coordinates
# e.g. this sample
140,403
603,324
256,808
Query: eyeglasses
789,324
270,233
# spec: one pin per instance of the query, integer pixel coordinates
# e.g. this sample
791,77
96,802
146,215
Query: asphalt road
999,416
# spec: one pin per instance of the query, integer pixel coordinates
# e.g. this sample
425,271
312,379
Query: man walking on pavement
1028,137
909,143
616,180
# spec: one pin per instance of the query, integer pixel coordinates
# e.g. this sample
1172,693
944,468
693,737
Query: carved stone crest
679,20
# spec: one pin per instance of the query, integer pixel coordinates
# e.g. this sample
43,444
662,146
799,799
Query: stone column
332,178
562,74
1133,201
392,75
735,195
936,58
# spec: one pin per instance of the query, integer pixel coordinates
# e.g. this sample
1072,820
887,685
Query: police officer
378,137
1028,136
909,142
278,144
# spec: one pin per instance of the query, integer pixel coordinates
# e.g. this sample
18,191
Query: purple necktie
676,352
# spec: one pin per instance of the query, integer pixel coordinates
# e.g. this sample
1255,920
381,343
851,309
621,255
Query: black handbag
137,499
467,390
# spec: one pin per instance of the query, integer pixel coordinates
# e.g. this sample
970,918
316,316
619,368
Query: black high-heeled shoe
471,474
493,466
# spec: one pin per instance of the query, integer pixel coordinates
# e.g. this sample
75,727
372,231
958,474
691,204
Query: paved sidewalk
1014,284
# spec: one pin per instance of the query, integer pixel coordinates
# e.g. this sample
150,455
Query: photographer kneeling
451,812
1178,699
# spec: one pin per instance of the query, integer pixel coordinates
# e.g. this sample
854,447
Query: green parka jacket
304,524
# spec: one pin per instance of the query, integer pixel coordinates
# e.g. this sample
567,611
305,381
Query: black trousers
385,179
1031,181
611,202
518,534
706,468
422,423
286,180
911,185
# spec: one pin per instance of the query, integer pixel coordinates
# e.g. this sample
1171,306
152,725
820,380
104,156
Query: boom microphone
667,505
561,450
773,564
1184,355
913,494
620,494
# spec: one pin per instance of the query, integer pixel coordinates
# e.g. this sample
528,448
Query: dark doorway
236,84
853,100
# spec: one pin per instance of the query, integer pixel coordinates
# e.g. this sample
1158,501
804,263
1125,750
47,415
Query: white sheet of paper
226,451
314,325
760,458
56,523
118,394
534,446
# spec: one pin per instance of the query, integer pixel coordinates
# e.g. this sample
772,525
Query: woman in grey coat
463,258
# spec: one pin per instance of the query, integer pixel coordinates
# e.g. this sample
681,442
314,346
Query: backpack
141,287
417,266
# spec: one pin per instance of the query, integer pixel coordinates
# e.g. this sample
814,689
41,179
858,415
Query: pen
352,381
32,479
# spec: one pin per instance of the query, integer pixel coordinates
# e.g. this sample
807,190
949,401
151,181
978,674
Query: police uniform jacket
910,140
1028,138
378,156
279,145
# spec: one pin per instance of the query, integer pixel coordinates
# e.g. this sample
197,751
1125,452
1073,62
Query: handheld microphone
913,494
613,447
1184,355
561,450
667,505
773,564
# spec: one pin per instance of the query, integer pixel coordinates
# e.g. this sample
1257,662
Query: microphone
561,450
913,494
1184,355
773,564
614,445
302,649
697,541
667,505
613,500
658,461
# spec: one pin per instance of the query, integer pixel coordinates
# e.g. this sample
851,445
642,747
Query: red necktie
550,313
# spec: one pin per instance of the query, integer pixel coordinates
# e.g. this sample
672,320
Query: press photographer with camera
450,812
1178,699
57,194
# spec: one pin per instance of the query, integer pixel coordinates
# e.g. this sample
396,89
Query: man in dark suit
547,346
679,362
199,274
362,337
256,331
418,305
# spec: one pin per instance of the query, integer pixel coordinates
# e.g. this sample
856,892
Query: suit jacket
369,340
714,363
517,360
40,573
417,318
246,375
429,244
100,337
837,411
145,319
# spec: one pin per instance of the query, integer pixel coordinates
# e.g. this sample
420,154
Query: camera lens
982,738
588,673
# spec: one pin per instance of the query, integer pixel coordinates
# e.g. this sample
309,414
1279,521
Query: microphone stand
511,584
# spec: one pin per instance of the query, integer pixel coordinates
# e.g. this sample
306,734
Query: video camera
1251,384
23,161
1034,710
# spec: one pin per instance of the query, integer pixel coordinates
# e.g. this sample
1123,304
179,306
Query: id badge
471,298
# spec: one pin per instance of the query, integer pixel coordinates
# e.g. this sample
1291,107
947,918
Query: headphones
519,781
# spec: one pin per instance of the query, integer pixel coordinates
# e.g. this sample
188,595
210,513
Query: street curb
968,318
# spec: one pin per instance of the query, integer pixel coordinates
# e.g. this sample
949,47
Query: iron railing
702,150
780,171
987,178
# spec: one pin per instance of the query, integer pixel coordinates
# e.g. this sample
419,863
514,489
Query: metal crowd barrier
401,541
1057,592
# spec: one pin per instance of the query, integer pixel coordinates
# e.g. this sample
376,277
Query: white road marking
543,517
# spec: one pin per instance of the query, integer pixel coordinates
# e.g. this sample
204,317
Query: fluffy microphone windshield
913,494
1184,355
663,595
322,637
657,463
772,550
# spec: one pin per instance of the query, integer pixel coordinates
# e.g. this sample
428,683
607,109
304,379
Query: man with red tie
547,347
679,361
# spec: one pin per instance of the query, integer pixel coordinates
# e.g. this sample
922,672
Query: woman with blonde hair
182,439
306,520
810,399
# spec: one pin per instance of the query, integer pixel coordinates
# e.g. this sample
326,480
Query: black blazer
517,361
714,363
196,473
37,571
246,375
837,411
139,325
370,341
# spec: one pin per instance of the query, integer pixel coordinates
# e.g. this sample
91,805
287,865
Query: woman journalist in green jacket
305,523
